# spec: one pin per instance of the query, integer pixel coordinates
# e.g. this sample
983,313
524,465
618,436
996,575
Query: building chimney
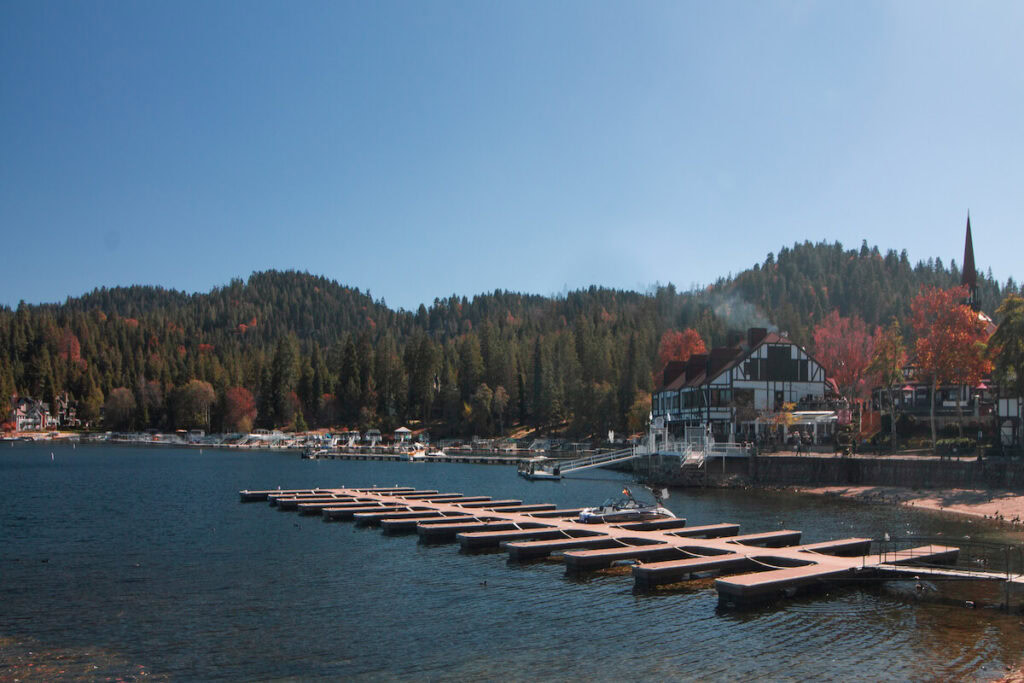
755,335
672,372
697,364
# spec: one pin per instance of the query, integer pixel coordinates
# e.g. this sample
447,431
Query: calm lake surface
141,563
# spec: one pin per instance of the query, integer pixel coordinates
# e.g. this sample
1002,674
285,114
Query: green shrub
949,432
956,445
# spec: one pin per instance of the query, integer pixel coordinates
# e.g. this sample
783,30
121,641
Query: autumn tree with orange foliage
950,343
239,409
845,346
678,346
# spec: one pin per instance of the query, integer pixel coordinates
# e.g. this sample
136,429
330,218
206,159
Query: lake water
139,563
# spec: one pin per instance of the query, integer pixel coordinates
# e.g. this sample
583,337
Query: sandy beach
999,506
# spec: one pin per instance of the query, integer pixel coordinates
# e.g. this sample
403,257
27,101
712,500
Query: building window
753,368
721,398
781,366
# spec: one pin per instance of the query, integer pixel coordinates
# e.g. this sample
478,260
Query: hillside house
66,412
30,415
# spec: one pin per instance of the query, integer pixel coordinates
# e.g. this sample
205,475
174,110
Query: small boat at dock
626,509
539,469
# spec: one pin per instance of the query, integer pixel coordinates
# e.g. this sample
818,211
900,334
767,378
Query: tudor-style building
733,386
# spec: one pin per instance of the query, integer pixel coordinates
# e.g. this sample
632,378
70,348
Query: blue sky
420,149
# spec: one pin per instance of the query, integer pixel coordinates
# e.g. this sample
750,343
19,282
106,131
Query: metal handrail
598,460
981,557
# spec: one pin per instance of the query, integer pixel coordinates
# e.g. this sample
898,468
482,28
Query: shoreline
997,506
1001,507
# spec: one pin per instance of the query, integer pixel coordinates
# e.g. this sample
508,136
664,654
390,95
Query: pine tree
1007,345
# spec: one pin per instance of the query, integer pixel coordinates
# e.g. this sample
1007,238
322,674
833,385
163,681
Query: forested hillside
801,285
293,349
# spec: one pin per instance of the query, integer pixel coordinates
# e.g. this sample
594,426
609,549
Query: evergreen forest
299,351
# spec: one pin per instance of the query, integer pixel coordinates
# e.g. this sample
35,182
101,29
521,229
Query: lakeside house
66,410
349,438
737,388
914,398
31,415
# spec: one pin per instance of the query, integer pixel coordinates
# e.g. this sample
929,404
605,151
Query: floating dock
752,567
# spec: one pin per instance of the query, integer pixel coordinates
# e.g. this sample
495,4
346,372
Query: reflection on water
29,660
143,563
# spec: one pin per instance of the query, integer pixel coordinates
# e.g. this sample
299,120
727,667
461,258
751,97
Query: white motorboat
539,469
626,509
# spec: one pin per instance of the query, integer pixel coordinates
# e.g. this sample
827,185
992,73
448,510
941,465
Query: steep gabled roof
738,354
703,368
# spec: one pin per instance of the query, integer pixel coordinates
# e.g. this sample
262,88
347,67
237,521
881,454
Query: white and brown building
736,388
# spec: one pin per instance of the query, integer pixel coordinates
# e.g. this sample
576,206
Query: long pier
752,567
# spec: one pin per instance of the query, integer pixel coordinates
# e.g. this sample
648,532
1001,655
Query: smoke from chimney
737,313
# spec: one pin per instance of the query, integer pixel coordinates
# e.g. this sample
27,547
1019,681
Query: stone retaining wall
806,470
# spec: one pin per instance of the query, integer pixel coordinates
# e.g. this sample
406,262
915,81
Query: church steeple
969,275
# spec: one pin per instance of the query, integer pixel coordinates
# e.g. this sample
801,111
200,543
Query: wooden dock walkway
750,567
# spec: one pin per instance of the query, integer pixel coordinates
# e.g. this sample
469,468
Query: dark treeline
297,350
803,284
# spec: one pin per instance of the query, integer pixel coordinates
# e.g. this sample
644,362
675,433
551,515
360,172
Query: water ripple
151,562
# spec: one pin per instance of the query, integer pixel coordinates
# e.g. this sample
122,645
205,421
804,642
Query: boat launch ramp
750,567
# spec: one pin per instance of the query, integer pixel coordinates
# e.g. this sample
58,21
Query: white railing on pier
694,458
674,448
728,449
598,460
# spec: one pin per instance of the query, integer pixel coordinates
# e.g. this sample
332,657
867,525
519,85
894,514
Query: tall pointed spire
969,275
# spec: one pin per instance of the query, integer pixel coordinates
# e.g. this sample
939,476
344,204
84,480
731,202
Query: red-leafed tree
887,367
239,409
950,343
844,346
70,348
679,346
